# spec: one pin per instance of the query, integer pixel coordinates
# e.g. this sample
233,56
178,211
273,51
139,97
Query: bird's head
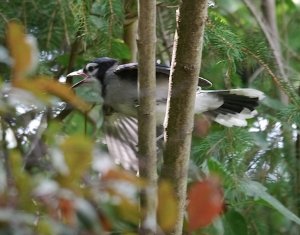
94,69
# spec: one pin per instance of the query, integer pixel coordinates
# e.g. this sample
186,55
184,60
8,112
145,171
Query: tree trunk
146,113
182,90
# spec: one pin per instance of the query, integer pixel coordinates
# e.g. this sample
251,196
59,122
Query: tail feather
229,107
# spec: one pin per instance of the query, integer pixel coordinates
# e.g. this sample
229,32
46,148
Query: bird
119,86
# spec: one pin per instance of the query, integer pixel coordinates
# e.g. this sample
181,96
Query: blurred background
247,44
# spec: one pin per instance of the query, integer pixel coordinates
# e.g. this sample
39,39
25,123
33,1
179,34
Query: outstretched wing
130,71
122,139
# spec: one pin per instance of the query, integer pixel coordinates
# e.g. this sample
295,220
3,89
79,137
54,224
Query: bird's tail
229,107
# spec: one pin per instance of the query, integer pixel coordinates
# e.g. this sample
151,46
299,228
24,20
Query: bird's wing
122,139
130,70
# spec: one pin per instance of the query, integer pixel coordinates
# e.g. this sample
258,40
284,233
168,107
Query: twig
52,19
163,35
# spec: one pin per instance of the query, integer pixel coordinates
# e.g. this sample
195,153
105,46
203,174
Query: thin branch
269,29
51,24
163,35
130,28
63,17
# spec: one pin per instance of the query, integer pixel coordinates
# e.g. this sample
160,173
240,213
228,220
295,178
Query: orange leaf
67,211
122,175
205,203
41,85
19,47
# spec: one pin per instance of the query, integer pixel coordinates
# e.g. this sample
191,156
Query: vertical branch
268,25
181,100
297,175
296,168
111,21
162,31
130,28
146,113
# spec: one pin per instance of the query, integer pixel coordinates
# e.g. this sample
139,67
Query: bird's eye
90,68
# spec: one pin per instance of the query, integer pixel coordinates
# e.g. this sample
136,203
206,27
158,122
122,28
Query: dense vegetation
55,174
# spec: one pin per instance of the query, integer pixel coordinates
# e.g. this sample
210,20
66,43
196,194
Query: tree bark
182,91
146,114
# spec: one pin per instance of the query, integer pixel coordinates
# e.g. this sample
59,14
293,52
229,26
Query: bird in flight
119,86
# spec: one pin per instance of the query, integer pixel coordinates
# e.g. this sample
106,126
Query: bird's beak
78,73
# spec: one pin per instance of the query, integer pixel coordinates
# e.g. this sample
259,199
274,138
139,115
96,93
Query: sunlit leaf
20,49
258,191
129,211
205,203
44,227
41,86
167,206
78,156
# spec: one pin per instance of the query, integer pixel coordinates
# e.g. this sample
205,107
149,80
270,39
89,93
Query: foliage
55,176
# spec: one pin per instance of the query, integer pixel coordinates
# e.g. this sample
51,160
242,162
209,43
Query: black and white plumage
119,90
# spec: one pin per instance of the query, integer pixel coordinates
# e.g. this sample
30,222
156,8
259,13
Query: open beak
78,73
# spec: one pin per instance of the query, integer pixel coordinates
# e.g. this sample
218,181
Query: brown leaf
201,126
67,210
122,175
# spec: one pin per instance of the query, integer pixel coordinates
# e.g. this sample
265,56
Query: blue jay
120,101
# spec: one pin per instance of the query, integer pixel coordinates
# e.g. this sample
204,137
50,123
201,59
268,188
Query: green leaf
272,103
77,150
235,223
120,49
22,180
216,167
258,191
